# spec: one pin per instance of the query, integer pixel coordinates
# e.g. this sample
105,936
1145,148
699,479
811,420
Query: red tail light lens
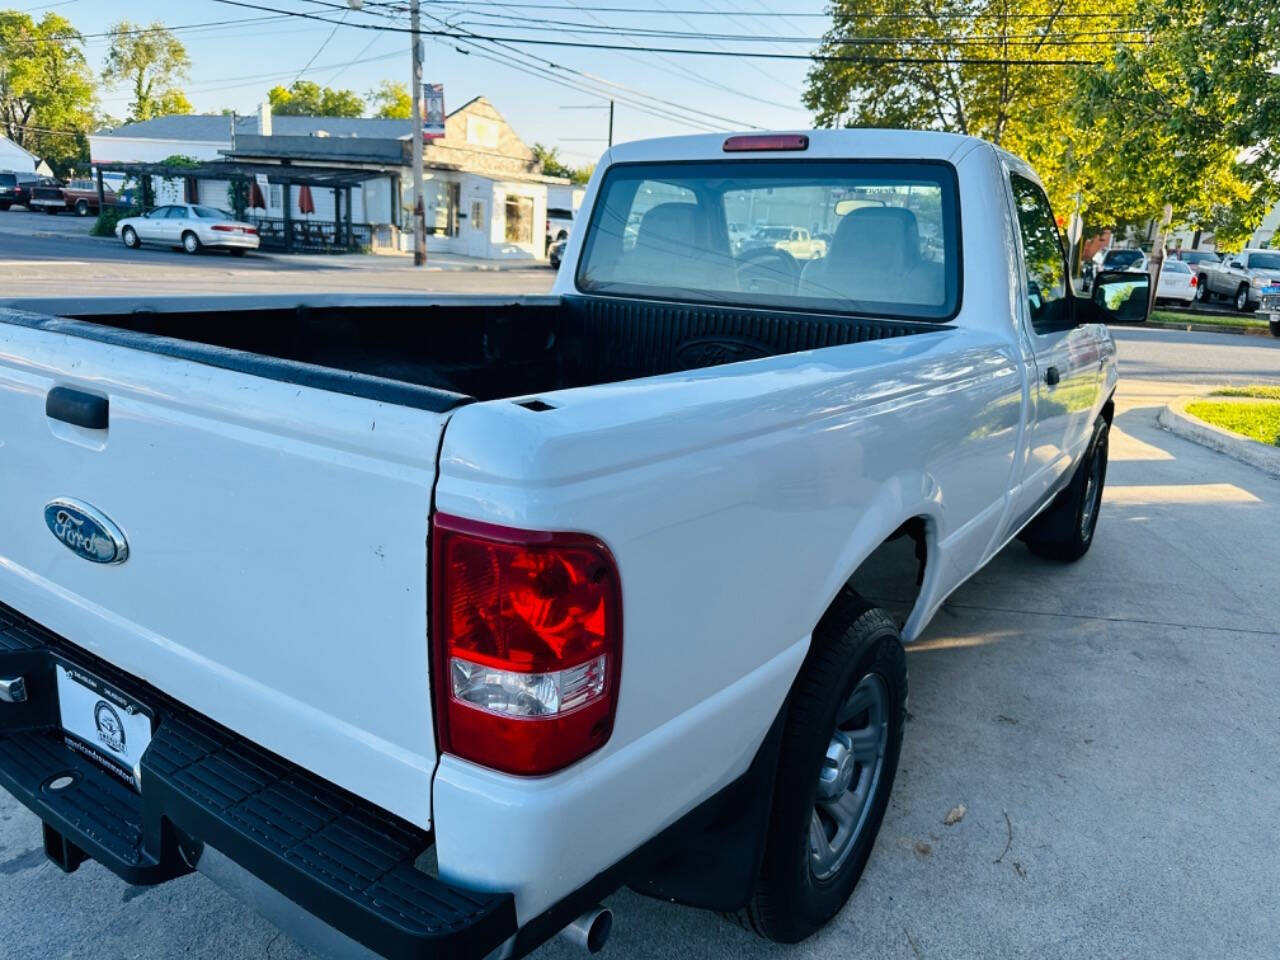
226,228
1194,280
527,632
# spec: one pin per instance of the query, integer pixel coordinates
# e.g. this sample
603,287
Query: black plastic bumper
340,858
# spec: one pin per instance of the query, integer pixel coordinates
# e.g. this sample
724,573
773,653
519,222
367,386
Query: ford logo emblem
86,531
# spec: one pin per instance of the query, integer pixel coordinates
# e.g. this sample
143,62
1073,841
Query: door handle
77,407
1051,376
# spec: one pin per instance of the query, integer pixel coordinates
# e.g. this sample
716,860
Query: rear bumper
344,861
230,240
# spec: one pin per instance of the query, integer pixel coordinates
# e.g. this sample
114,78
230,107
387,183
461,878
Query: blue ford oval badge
86,531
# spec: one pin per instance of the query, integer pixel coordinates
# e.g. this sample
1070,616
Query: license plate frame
103,723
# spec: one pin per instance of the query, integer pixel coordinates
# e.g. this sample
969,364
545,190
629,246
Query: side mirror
1237,265
1118,297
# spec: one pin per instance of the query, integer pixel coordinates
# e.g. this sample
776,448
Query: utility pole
419,211
591,106
610,123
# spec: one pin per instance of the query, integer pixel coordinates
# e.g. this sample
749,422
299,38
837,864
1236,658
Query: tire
1275,329
236,251
1064,531
130,238
190,242
82,208
5,206
1202,289
1242,299
856,651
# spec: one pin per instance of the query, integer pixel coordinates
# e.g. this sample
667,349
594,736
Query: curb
1210,328
1176,420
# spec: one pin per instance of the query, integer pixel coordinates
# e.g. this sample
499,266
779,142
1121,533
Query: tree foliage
152,61
303,98
392,100
1160,101
46,89
1192,116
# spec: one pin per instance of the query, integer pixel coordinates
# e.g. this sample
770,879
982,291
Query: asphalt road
42,255
1111,727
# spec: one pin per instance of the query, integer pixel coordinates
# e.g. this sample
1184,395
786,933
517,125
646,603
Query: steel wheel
849,776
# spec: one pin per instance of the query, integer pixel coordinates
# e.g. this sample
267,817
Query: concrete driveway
1111,727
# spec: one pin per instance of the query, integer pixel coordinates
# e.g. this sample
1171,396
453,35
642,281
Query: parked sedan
1177,282
190,226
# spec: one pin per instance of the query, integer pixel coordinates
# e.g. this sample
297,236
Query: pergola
339,180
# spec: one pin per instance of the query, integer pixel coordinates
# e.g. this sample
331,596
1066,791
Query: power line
705,12
324,44
821,57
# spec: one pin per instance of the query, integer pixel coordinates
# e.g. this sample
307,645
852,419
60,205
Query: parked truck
78,196
1241,278
427,623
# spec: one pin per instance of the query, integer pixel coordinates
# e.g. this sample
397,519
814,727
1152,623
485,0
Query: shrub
105,225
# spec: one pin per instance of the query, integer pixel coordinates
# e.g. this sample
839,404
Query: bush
105,225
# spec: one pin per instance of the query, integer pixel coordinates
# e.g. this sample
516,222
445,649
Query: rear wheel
130,238
839,755
1065,530
190,242
1242,298
82,208
1202,289
5,206
1275,329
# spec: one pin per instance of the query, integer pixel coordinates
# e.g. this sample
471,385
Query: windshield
1200,257
1174,266
662,231
1123,258
8,180
1264,261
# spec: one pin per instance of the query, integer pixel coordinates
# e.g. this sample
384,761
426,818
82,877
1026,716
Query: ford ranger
426,623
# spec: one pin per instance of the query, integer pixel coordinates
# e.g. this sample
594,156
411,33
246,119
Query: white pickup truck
425,624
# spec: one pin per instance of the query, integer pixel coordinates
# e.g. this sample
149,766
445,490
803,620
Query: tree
1192,116
306,99
392,100
46,89
549,159
997,69
151,60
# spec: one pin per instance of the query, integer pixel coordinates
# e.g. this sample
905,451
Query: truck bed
440,352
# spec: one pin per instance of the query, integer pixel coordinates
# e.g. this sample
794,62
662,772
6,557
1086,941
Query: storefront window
519,219
441,200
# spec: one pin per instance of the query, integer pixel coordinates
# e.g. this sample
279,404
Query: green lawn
1207,319
1261,391
1258,421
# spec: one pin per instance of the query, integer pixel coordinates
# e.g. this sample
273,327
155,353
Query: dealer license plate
103,724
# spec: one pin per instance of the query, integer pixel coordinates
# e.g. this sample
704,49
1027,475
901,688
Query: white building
485,194
14,158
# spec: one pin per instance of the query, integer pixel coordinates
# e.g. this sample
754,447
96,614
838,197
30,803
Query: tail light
251,231
1194,280
527,632
226,228
745,143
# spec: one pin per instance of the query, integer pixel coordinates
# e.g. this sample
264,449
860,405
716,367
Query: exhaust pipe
590,931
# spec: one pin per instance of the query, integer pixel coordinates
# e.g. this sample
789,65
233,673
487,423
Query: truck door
1067,358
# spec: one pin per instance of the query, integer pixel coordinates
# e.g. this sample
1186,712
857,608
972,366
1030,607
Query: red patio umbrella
255,196
306,204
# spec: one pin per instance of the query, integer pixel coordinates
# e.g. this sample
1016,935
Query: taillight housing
527,634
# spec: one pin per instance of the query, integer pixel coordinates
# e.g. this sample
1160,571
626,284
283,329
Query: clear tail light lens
527,633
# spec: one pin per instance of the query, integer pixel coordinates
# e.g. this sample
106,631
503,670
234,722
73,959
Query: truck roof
823,144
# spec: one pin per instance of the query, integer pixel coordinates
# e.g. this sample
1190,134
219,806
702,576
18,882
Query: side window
177,213
1047,304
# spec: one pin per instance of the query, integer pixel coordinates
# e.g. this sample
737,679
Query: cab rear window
849,236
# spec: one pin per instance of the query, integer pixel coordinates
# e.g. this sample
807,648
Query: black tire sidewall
792,903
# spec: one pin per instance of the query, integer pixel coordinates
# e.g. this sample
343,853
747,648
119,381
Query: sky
234,65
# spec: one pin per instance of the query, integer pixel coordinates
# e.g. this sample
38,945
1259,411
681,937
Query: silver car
190,226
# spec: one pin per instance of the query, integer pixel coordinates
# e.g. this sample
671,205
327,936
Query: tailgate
276,573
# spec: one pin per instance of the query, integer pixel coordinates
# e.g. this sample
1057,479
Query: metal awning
330,178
